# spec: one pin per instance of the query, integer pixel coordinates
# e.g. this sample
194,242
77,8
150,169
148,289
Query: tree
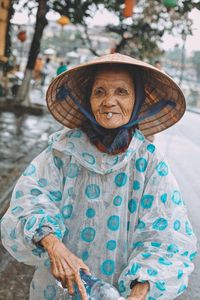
140,37
40,24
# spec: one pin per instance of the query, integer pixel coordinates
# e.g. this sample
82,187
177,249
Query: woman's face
113,97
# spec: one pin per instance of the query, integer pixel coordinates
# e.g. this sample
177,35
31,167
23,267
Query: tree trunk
41,22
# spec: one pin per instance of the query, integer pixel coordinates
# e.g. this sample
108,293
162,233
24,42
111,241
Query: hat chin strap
156,108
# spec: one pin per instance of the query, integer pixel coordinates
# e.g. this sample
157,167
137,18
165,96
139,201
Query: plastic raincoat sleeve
35,204
164,244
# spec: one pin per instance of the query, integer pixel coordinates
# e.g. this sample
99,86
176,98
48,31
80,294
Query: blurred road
181,145
22,137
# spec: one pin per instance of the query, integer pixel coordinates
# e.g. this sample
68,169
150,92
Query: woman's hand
139,291
65,265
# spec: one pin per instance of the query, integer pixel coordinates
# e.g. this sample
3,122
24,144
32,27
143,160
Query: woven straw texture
78,80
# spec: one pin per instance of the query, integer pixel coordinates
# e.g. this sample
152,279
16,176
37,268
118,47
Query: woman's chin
111,124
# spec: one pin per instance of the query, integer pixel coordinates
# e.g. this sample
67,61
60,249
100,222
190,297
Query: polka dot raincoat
122,214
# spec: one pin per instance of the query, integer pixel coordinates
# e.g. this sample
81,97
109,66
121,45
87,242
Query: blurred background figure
158,64
37,72
62,67
45,71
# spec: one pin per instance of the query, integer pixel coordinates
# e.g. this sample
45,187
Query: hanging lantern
63,20
129,7
170,3
22,36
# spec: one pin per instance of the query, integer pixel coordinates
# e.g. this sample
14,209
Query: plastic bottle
96,289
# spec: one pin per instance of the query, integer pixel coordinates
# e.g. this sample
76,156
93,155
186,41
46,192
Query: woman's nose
109,101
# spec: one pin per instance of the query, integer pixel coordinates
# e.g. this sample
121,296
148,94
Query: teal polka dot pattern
156,244
76,134
176,198
42,182
88,234
30,170
47,263
177,225
51,220
173,248
17,210
14,248
152,272
193,255
13,234
73,170
117,201
89,158
71,192
128,225
111,245
141,164
135,268
185,253
50,292
58,162
136,185
121,179
164,261
146,255
162,169
55,196
113,223
121,286
160,224
180,274
139,135
151,148
163,198
90,213
147,201
35,192
67,211
70,146
92,191
138,245
188,228
160,285
182,288
132,206
85,255
141,225
108,267
31,222
18,194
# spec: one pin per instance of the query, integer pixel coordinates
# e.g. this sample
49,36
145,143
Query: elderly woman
101,197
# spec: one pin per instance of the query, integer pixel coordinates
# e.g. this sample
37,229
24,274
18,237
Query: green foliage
139,36
142,36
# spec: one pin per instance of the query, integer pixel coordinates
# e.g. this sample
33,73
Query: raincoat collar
77,144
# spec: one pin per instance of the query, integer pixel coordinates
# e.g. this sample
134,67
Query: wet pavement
23,136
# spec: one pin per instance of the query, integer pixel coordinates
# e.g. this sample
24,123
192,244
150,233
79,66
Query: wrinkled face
113,97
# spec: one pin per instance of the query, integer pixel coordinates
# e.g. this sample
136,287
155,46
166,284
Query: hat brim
158,85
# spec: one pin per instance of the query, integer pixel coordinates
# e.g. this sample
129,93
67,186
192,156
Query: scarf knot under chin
111,141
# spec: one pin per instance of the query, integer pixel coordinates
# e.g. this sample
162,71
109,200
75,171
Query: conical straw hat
158,85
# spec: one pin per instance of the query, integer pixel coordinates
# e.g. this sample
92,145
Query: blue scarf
118,138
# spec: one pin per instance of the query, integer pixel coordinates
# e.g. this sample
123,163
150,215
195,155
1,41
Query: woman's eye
122,92
98,92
